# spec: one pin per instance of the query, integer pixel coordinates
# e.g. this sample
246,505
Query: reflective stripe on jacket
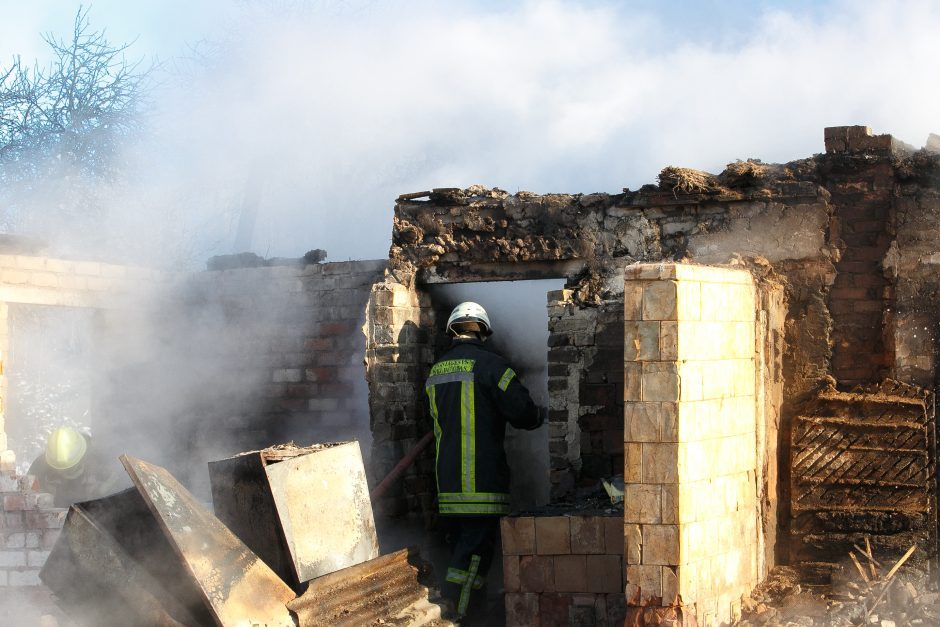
473,393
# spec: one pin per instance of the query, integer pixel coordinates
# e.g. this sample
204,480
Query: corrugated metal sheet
383,591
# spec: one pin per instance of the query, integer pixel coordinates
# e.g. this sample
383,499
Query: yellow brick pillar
690,462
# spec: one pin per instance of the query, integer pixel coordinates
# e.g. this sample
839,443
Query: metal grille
862,465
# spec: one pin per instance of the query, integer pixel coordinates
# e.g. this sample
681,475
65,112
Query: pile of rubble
292,542
864,591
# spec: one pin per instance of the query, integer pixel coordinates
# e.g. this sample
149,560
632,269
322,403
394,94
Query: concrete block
660,382
552,535
605,573
632,462
518,535
642,503
537,573
587,534
670,504
633,543
511,578
669,340
660,462
644,581
632,300
670,585
641,341
632,381
659,301
643,421
522,610
571,573
661,544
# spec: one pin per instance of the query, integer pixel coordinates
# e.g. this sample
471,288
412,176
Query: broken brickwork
240,359
30,527
585,384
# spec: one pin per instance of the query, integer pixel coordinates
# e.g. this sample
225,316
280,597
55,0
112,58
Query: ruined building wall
477,234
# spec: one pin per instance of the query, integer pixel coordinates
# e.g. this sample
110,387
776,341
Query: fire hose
401,466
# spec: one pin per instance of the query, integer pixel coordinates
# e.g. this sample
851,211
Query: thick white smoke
331,109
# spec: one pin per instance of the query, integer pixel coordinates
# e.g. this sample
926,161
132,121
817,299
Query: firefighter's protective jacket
473,393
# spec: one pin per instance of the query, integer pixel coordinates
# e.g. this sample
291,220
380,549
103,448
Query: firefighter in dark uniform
473,393
70,471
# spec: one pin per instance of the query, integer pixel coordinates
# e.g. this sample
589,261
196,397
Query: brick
660,462
518,535
511,577
19,578
12,558
605,573
642,503
632,381
36,559
587,534
661,544
552,535
536,573
13,521
659,301
660,382
15,540
633,300
554,610
522,610
46,519
14,502
570,573
616,609
643,581
613,534
633,543
633,462
670,585
641,341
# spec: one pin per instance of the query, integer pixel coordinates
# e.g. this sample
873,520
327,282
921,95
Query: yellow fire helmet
66,448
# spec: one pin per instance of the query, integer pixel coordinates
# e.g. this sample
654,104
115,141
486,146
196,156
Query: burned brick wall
229,360
585,384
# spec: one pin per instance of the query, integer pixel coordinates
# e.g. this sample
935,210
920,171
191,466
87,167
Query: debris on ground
871,592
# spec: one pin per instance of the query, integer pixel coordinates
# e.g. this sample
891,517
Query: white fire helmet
469,312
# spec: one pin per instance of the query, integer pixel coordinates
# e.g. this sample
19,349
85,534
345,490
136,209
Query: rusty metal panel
236,586
312,502
863,465
384,590
99,583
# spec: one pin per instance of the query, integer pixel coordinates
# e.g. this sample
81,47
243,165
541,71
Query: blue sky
335,107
